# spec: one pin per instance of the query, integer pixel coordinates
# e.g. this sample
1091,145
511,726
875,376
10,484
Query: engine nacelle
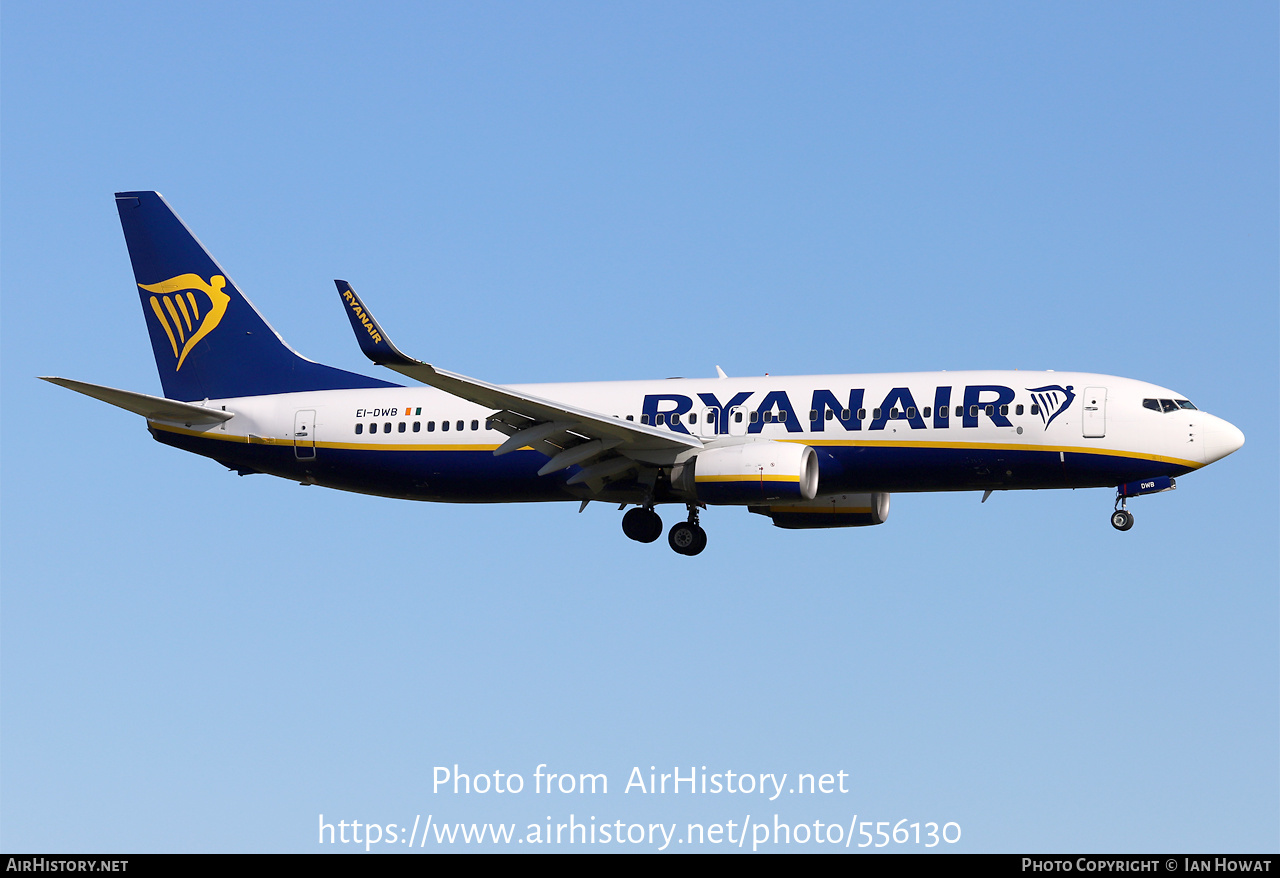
829,510
753,473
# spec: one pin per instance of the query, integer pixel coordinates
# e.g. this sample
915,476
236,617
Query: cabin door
1095,412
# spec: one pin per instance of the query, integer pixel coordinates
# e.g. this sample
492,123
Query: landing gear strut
686,537
1122,518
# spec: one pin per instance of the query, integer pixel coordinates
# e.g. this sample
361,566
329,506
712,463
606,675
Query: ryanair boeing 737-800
807,452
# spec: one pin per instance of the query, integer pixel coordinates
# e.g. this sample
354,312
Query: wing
602,445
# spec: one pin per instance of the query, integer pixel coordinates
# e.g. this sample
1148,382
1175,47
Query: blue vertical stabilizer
208,339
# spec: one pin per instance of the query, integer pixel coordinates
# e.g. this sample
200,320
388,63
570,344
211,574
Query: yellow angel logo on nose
178,296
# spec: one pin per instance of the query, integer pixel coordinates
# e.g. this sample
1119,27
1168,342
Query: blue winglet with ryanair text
373,341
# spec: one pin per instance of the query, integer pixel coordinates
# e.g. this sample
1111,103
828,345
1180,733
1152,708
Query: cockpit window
1167,405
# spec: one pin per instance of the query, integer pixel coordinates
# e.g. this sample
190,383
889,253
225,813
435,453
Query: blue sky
193,661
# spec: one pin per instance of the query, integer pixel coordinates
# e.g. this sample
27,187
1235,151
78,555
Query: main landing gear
1122,518
686,537
643,525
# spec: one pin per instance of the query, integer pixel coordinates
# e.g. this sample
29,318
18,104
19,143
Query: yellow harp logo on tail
177,307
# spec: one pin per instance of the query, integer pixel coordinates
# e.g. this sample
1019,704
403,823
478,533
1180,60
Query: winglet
372,340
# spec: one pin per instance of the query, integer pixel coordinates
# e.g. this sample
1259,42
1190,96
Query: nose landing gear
1122,518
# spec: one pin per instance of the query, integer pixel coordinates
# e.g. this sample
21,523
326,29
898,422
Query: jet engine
752,473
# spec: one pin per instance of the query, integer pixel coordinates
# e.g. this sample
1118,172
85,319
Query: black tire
1122,519
683,538
700,542
655,527
642,525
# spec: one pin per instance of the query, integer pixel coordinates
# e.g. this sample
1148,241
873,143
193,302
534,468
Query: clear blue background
193,661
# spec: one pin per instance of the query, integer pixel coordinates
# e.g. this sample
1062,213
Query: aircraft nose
1220,439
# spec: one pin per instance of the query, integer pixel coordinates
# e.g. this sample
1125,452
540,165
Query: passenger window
675,417
1004,410
755,416
768,417
660,419
444,426
960,411
644,419
1018,410
782,416
876,414
373,428
862,415
893,414
359,429
631,417
693,419
431,426
813,415
1035,409
417,426
927,410
973,411
911,412
737,417
843,417
943,411
475,425
460,425
386,428
402,427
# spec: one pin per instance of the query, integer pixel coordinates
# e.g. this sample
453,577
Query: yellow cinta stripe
173,312
155,306
182,306
195,309
754,478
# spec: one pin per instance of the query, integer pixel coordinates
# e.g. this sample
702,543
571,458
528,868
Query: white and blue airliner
806,451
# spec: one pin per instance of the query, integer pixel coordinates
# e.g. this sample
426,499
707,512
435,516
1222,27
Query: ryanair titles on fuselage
898,405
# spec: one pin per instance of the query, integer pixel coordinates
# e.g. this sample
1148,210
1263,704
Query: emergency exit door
304,435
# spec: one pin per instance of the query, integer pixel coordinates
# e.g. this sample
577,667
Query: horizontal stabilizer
153,408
